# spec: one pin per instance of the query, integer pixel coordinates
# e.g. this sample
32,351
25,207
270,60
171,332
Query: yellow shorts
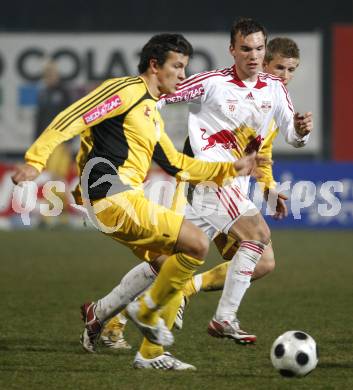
178,205
138,223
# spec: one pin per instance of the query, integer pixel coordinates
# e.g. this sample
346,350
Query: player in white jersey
241,103
281,60
230,115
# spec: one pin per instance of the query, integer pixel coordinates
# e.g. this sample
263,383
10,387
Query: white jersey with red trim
229,117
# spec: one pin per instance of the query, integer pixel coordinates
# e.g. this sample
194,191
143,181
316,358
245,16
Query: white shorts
216,209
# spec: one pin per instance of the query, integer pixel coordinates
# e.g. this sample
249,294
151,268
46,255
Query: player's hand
281,207
245,165
303,124
261,161
24,172
248,165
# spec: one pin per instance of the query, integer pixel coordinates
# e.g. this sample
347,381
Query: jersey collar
149,92
236,80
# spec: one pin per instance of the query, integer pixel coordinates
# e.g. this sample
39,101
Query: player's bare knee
261,232
192,241
252,228
199,246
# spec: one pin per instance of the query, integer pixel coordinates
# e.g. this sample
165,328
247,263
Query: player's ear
231,49
154,65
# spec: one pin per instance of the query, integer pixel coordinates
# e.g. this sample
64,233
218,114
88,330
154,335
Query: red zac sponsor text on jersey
186,94
103,109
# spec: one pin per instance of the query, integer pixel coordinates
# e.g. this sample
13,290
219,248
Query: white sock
198,282
122,319
132,284
238,278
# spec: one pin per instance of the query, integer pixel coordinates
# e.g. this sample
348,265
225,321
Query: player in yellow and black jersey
121,133
281,60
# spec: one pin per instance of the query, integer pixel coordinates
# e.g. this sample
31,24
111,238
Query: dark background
182,15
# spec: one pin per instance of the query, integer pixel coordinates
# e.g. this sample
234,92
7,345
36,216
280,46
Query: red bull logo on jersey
103,109
254,145
224,138
185,95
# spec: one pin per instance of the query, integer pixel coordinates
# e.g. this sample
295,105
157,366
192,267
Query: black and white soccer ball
294,353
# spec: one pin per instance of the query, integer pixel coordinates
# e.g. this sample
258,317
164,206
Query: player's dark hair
159,46
285,47
246,26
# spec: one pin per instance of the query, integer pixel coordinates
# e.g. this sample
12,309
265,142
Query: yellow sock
114,324
173,275
114,328
214,279
211,280
150,350
170,310
226,245
189,289
175,272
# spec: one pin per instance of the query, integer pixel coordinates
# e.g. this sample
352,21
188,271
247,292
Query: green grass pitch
46,275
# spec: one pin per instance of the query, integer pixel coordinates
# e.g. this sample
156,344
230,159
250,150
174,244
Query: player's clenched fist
303,124
24,172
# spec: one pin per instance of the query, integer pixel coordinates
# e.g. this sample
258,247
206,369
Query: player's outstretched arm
186,168
72,121
294,127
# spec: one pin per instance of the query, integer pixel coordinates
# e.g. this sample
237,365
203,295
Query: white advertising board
84,59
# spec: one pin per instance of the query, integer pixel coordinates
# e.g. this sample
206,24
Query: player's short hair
285,47
158,47
246,26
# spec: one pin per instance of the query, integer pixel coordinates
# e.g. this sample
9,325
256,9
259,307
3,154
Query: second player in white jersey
230,117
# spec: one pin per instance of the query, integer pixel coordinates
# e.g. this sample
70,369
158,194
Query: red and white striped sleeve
284,117
192,88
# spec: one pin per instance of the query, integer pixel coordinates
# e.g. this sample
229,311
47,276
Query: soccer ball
294,353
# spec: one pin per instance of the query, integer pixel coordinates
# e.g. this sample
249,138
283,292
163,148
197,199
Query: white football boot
158,334
93,327
163,362
231,330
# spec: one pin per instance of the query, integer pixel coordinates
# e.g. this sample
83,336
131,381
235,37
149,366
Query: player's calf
265,265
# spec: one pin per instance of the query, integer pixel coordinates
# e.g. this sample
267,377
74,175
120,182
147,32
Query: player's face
172,72
282,67
248,53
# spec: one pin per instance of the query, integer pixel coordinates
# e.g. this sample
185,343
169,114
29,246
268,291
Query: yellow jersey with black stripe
121,133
